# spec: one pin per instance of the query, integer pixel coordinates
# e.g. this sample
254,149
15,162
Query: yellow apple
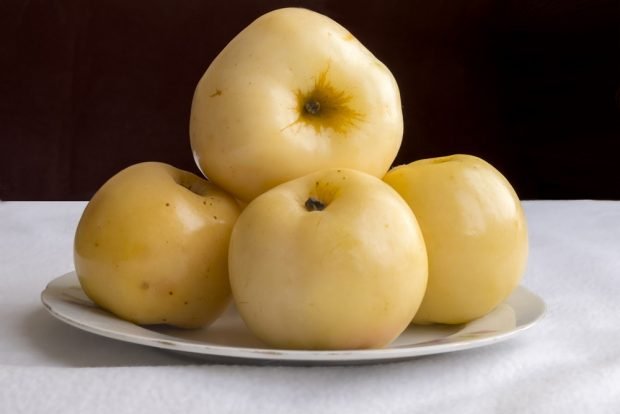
152,246
475,233
332,260
293,93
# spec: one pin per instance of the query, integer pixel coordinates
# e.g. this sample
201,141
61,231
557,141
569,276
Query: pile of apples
301,222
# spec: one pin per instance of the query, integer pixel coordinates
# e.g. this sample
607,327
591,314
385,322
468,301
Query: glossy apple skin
350,276
249,129
475,233
152,246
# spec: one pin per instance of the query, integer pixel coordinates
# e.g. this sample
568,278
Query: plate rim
155,339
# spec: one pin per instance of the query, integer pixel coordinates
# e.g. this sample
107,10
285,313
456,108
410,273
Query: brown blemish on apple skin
348,37
144,286
216,93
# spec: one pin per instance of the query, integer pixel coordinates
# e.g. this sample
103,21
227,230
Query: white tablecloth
568,363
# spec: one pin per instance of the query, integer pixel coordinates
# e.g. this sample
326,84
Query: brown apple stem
312,204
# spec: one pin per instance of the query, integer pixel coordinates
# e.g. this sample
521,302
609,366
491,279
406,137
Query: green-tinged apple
331,260
291,94
152,246
475,233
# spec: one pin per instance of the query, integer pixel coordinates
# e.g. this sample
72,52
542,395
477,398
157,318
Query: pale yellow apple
331,260
475,233
152,246
293,93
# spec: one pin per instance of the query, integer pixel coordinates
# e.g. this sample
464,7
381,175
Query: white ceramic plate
228,339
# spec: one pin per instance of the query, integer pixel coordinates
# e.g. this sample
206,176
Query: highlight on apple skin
475,232
291,94
332,260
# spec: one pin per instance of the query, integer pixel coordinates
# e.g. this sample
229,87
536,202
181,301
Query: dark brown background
89,87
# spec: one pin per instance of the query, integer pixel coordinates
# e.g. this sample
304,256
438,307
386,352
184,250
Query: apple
152,246
475,233
291,94
331,260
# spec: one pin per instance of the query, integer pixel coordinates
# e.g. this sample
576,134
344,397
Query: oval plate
229,340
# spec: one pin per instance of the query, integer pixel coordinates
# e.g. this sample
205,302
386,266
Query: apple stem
312,204
312,107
